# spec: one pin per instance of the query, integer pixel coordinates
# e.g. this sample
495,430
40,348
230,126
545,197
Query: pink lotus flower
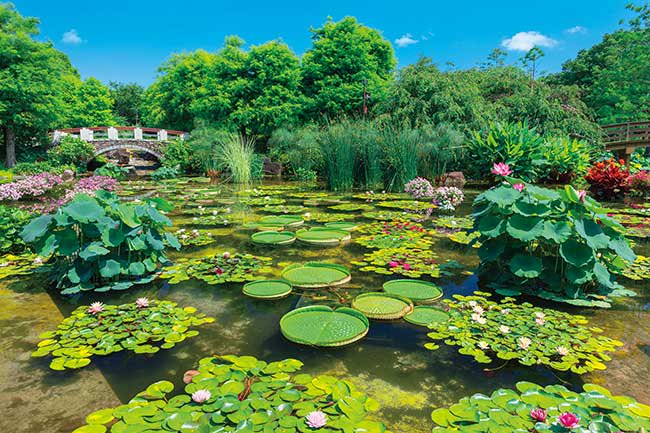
96,307
393,264
201,396
568,420
501,169
226,255
316,419
519,186
142,302
582,194
538,414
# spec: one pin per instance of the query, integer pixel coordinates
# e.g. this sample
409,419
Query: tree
35,82
495,59
127,99
530,60
93,105
343,55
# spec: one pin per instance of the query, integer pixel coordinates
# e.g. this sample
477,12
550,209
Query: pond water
390,364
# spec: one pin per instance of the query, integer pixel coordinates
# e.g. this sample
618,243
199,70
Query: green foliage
306,175
30,168
111,170
314,275
441,149
144,328
506,410
319,325
194,238
218,268
506,330
323,236
409,262
93,105
565,159
243,393
400,145
267,289
127,101
164,172
12,221
236,154
550,244
419,291
71,151
337,145
100,243
181,153
296,147
382,306
6,176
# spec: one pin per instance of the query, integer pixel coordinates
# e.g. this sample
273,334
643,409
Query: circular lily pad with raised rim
285,220
418,291
267,289
322,236
342,225
319,325
273,238
382,306
264,227
312,275
424,315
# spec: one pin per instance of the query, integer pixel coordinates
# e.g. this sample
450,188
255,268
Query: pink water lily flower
524,342
226,255
562,351
201,396
540,321
406,266
519,186
501,169
142,302
392,264
538,414
568,420
316,419
96,307
479,319
504,329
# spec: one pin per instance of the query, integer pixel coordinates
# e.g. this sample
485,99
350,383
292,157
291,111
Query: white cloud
71,37
405,40
524,41
425,37
576,29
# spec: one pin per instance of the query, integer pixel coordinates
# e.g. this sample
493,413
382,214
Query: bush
102,243
639,184
513,143
447,198
558,245
112,170
608,179
31,168
164,173
12,221
564,159
306,175
71,151
419,188
440,150
296,148
6,176
180,154
30,187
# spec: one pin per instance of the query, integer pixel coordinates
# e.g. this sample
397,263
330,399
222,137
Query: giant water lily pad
418,291
425,315
319,325
316,274
267,289
286,220
322,236
342,225
273,238
382,306
352,207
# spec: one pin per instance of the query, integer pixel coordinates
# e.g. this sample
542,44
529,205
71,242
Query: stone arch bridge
110,138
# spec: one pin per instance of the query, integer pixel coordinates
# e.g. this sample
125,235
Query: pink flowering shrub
639,183
419,188
448,197
29,187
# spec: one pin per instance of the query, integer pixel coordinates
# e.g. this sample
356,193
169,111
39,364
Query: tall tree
93,105
127,99
34,81
530,60
344,55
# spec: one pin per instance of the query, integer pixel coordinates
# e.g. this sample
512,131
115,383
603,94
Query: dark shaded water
391,363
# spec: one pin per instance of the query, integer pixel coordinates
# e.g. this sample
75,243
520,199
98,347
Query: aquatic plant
410,262
324,217
242,393
267,289
262,201
194,237
383,240
419,188
12,221
407,205
388,215
394,227
372,196
447,198
465,238
446,224
418,291
382,306
217,269
101,243
639,270
322,236
337,144
144,326
316,274
23,264
506,330
636,226
553,244
235,153
271,237
424,315
285,220
320,325
283,209
342,225
352,207
552,408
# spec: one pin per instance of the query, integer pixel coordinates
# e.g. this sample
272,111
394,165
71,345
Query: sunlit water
391,363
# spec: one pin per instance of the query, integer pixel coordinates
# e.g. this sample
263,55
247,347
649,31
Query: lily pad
418,291
426,315
342,225
319,325
273,238
316,274
383,306
286,220
322,236
267,289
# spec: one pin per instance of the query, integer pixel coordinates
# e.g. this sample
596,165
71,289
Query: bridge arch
110,148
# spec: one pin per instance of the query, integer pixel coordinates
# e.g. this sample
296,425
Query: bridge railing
622,135
120,133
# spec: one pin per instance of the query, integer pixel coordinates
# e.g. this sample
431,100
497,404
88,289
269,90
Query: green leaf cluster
12,221
410,262
217,269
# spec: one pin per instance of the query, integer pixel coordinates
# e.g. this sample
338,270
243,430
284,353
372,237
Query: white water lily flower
504,329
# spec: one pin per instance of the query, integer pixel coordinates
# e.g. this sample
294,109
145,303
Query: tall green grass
337,143
440,150
400,146
236,154
369,155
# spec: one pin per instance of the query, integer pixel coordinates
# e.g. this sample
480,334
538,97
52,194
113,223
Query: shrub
565,159
513,143
71,151
112,170
608,179
447,198
296,148
419,188
164,173
440,150
306,175
31,168
6,176
639,184
558,245
12,221
102,243
29,187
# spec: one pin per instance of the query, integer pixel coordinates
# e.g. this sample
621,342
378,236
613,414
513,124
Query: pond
391,363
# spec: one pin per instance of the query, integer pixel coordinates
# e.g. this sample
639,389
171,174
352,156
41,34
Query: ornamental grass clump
101,243
488,330
555,244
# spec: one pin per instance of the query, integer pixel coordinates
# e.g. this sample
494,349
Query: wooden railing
623,138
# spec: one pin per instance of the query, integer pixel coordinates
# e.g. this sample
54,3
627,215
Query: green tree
93,105
34,81
530,59
343,55
127,99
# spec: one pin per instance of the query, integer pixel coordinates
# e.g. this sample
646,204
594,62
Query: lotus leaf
273,238
322,236
143,327
418,291
242,394
534,408
487,330
217,269
382,306
267,289
410,262
424,315
316,274
319,325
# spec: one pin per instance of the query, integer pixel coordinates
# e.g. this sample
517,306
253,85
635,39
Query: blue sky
127,40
